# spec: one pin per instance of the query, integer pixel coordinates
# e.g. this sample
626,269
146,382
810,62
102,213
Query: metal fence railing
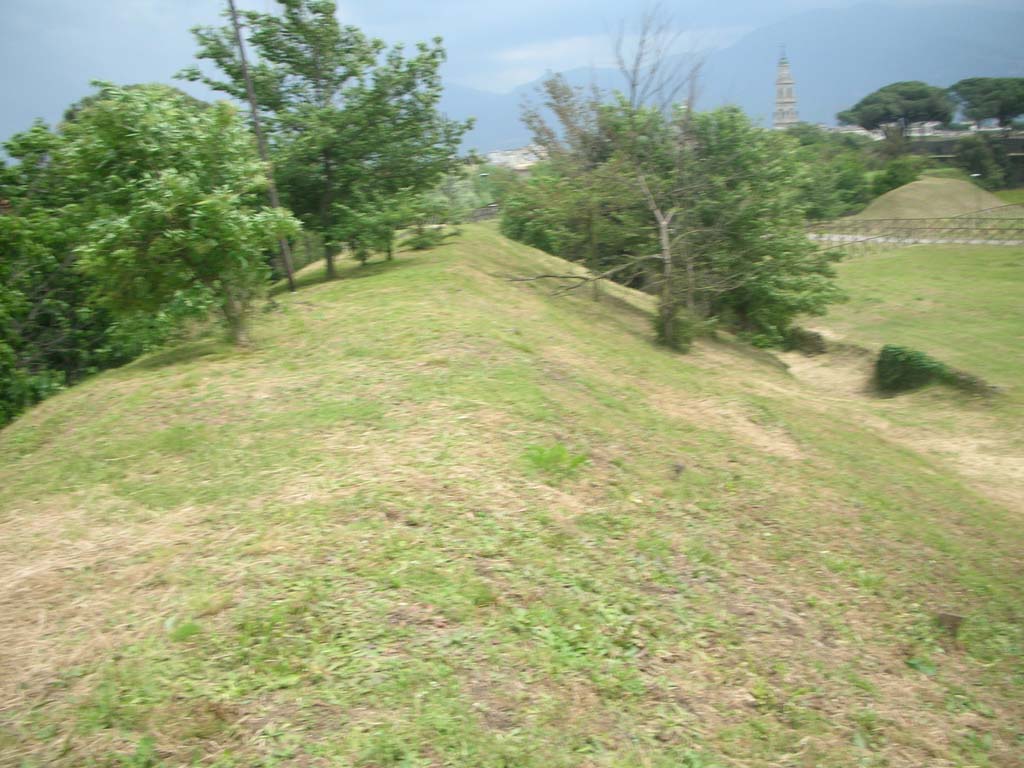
1003,226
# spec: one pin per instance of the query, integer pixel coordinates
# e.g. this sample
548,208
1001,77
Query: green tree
576,203
54,329
168,201
898,172
835,182
976,156
708,209
350,123
44,334
991,98
755,269
895,107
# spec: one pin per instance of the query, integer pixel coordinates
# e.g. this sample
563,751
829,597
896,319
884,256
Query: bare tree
261,141
717,191
652,63
655,75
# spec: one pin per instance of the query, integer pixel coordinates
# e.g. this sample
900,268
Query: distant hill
837,56
931,198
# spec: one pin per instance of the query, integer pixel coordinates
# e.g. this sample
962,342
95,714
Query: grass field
437,518
1011,196
961,304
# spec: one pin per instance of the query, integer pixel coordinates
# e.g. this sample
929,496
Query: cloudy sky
51,49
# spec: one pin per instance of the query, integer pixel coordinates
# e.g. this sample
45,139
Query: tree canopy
169,201
351,124
991,98
146,204
143,206
899,105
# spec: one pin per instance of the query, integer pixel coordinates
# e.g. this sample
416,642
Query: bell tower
785,98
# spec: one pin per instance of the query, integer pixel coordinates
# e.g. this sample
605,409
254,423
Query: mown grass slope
437,518
930,197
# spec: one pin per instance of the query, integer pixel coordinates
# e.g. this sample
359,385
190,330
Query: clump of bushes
898,172
805,341
901,369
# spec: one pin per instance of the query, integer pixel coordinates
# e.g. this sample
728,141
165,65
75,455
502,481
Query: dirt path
969,436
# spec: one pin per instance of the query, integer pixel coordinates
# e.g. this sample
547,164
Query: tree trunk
667,306
237,316
284,248
691,285
594,267
325,208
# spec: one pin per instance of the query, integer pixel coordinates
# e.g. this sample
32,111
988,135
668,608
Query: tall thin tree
261,141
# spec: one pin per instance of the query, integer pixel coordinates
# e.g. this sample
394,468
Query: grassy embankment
374,540
930,197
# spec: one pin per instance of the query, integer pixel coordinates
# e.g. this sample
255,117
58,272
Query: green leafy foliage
706,210
899,105
593,218
900,369
990,98
977,156
835,183
898,172
758,270
170,201
353,125
554,460
141,210
53,331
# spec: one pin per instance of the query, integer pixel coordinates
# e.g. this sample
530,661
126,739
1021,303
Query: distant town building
855,130
520,159
785,98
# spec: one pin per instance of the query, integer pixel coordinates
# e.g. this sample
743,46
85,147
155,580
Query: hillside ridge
500,528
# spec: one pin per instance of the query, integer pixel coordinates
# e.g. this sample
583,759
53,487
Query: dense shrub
902,170
425,238
900,369
803,340
977,156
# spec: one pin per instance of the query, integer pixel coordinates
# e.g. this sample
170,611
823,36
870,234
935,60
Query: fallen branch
585,278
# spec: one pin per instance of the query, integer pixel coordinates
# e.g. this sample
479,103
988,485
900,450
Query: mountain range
836,55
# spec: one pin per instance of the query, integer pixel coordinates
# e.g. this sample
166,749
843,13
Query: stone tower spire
785,99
